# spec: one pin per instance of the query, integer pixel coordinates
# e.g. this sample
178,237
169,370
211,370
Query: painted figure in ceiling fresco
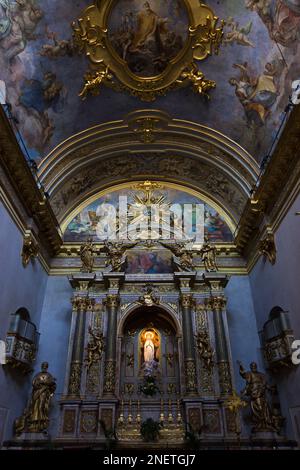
237,34
18,22
281,17
147,35
257,94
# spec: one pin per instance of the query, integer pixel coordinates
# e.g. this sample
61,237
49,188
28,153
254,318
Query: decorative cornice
283,167
178,151
33,200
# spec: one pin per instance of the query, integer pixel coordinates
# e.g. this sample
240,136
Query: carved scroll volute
109,68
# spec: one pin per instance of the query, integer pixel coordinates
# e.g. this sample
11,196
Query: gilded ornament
182,255
130,360
93,82
110,47
75,378
87,257
267,247
225,378
208,253
112,300
187,300
204,348
95,347
190,376
116,254
149,298
109,377
30,249
200,84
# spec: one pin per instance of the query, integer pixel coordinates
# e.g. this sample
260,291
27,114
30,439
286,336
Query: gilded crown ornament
148,50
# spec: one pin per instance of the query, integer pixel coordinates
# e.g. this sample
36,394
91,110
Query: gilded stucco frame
107,68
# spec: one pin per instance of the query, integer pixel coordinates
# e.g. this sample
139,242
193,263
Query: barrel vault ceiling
214,146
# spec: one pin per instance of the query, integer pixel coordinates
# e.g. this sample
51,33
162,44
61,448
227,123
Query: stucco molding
276,190
36,207
148,143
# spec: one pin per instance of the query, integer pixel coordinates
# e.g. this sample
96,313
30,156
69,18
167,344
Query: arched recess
148,145
167,354
134,308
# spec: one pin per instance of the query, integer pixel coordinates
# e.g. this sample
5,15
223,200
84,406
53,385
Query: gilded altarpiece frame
92,36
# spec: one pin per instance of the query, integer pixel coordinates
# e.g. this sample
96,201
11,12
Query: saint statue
208,253
149,347
256,389
87,257
35,418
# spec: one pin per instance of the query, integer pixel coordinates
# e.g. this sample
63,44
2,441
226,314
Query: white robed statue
149,347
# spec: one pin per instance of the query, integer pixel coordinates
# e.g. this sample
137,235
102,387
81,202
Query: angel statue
208,253
87,256
183,257
149,298
95,347
116,254
204,348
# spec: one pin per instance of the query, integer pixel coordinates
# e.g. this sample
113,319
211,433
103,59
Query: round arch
165,309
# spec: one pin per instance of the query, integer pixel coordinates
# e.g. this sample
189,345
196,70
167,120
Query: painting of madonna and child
148,34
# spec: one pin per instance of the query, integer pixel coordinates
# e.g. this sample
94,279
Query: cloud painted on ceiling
43,75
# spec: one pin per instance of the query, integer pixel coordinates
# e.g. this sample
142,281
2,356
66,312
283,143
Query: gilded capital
112,300
217,303
82,304
187,300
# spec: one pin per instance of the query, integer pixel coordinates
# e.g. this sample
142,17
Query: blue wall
19,287
279,285
48,300
244,340
55,329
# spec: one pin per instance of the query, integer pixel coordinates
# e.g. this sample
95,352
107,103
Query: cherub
238,34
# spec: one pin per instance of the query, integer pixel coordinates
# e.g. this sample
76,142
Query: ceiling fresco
99,222
43,74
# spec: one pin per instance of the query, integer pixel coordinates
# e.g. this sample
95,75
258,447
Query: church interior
149,224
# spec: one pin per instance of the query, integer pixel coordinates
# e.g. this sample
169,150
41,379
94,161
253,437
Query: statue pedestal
33,436
82,281
215,280
266,435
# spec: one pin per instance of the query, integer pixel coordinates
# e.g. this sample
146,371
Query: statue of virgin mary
149,349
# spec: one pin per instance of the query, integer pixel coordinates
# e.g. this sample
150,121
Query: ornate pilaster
217,304
206,370
80,306
109,377
112,302
187,302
